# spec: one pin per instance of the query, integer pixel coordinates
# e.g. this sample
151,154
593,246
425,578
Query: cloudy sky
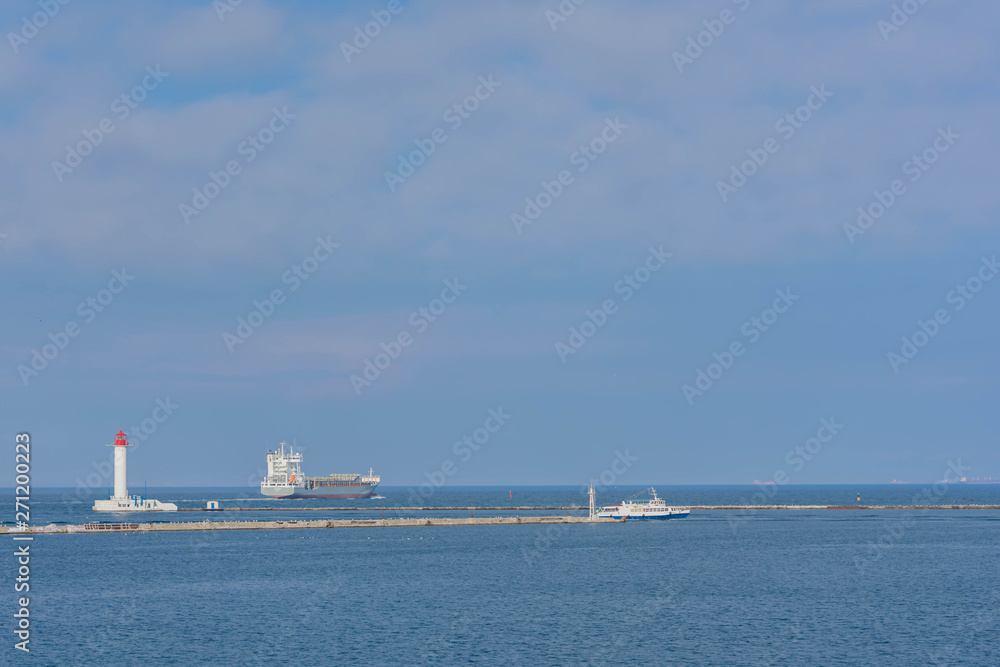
682,171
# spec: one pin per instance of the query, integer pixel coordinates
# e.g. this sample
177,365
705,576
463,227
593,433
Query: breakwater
161,525
577,508
137,527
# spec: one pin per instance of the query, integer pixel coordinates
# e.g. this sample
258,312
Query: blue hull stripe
649,518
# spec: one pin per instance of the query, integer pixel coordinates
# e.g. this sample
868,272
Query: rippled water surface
845,587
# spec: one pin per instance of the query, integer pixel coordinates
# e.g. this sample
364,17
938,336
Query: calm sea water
840,587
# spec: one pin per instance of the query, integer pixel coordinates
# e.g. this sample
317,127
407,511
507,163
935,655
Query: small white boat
653,508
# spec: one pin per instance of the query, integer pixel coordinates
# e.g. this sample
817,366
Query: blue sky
329,128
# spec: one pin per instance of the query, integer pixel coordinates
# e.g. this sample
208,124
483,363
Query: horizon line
531,486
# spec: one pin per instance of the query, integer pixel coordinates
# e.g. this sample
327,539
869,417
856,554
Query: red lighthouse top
120,440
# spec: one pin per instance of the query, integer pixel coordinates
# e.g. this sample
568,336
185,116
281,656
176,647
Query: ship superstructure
653,508
285,479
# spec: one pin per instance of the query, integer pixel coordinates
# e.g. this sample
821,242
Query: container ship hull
347,492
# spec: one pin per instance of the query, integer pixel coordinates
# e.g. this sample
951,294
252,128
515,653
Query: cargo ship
285,480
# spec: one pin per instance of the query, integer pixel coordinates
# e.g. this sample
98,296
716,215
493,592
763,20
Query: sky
501,243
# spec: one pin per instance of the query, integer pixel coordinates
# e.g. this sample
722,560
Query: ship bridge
286,466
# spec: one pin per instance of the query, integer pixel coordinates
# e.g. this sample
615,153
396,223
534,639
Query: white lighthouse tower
121,501
121,460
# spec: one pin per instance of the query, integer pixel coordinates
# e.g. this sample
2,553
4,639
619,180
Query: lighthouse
121,461
120,500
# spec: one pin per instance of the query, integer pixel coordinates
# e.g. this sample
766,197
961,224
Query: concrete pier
143,527
577,508
312,523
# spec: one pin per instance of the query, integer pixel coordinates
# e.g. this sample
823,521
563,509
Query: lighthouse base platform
133,504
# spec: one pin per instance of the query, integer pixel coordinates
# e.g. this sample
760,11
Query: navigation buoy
859,497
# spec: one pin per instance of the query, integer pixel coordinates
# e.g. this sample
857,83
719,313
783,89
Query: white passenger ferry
653,508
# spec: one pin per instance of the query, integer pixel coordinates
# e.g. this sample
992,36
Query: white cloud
354,119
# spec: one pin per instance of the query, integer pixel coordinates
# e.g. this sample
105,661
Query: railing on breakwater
111,526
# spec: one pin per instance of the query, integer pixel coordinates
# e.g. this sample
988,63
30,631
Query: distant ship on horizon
976,480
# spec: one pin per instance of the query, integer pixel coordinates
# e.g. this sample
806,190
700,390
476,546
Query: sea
747,587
